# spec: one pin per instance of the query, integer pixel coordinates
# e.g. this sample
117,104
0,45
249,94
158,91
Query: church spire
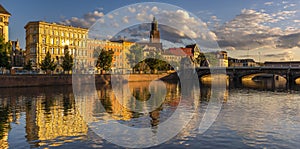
154,33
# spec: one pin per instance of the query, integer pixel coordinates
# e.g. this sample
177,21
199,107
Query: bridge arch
208,78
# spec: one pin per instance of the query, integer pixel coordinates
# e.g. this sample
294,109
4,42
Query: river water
251,116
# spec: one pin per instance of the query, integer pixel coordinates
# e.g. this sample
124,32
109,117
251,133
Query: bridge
236,74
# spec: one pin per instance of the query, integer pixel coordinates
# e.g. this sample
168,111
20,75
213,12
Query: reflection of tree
4,124
48,103
205,93
155,115
68,104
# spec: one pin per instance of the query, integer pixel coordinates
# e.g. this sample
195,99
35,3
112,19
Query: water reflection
50,117
264,82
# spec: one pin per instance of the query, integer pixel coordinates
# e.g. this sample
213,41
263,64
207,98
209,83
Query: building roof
3,10
179,52
53,23
283,62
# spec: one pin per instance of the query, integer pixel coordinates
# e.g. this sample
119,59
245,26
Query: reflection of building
4,21
42,37
49,119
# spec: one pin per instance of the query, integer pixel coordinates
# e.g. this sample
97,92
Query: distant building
154,40
4,21
282,64
195,49
233,62
176,54
42,37
154,33
223,59
17,54
120,48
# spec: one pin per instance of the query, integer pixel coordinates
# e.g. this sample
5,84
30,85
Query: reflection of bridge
235,74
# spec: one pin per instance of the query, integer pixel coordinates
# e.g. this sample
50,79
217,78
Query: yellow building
42,37
4,21
120,48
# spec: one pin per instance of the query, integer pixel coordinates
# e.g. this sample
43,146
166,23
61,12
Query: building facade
4,21
42,37
120,49
154,33
17,54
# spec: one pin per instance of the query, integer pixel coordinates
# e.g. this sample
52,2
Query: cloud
125,19
86,21
283,56
154,9
296,21
131,9
250,30
268,3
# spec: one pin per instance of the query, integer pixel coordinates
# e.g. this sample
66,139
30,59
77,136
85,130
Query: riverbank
64,79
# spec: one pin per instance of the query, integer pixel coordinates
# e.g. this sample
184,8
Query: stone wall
52,80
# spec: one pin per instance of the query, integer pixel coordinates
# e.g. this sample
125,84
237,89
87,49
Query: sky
265,30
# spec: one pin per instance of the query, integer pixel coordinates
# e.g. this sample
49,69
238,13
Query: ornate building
154,40
154,33
42,37
4,21
17,54
120,48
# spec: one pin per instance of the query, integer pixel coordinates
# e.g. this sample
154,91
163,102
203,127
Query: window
51,41
62,34
1,19
57,41
34,39
52,51
43,50
1,30
57,51
32,50
44,40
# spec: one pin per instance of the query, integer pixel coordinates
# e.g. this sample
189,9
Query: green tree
201,60
5,49
105,60
28,66
211,57
48,64
68,63
156,62
135,58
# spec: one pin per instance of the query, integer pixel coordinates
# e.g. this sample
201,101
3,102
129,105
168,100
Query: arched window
1,30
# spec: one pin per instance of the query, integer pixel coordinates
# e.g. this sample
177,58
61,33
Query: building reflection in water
51,116
54,117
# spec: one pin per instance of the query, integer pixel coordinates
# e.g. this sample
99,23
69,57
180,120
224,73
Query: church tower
154,33
4,20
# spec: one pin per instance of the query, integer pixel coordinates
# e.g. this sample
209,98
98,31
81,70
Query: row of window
60,51
57,33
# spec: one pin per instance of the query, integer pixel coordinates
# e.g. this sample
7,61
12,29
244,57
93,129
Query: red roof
180,51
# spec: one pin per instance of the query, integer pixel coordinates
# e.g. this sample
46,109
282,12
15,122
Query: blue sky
273,17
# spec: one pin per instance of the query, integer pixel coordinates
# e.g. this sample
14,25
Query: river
51,117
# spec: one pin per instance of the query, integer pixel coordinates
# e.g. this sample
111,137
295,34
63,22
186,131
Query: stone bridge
236,73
